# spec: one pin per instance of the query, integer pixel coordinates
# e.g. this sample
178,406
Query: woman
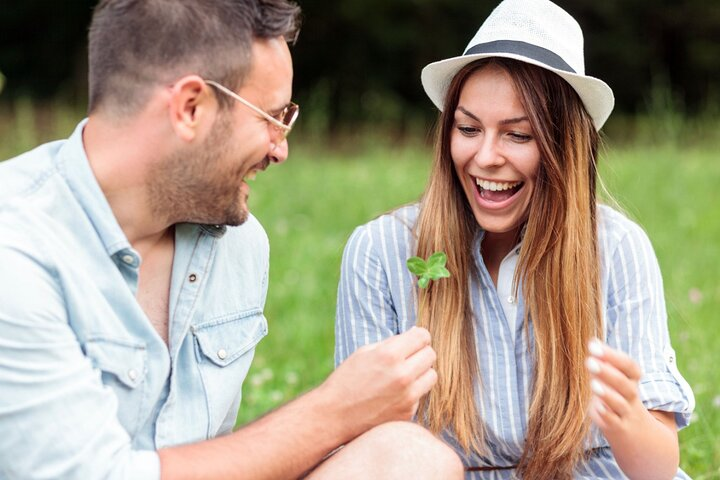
539,271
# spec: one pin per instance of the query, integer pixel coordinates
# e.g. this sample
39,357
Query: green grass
673,194
310,205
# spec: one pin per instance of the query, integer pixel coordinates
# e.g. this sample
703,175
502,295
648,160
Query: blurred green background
362,147
360,60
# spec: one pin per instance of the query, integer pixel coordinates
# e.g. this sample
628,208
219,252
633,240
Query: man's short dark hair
135,45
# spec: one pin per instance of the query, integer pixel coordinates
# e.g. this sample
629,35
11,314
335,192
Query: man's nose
278,151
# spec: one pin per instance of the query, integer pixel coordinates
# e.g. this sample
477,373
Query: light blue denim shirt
88,389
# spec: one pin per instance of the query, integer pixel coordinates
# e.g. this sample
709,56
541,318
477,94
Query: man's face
206,183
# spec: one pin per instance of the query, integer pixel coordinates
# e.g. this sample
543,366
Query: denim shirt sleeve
56,417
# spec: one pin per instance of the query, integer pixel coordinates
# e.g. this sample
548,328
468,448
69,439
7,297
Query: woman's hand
643,442
615,406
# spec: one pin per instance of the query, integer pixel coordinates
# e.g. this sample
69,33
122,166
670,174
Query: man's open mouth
250,175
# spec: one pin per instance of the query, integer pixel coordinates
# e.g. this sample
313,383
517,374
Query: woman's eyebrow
508,121
514,120
463,110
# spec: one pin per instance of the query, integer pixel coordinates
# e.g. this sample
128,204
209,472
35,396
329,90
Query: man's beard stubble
190,186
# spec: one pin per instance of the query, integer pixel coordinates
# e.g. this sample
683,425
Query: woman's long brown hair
558,273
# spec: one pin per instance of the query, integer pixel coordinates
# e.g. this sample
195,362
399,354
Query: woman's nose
488,154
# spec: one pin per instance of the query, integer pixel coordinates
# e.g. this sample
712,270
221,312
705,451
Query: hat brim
595,94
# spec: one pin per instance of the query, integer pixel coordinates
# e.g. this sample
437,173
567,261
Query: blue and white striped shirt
376,299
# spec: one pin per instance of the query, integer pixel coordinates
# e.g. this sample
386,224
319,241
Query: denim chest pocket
225,339
224,350
123,365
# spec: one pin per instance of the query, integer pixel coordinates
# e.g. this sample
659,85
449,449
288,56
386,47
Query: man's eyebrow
278,111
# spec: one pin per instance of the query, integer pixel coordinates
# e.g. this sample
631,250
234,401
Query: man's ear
191,107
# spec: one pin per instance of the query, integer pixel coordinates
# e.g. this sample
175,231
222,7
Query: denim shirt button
222,354
511,299
192,277
128,259
132,374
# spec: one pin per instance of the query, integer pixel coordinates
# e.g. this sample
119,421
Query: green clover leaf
417,266
432,269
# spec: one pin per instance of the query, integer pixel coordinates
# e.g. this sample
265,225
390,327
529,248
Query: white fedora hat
532,31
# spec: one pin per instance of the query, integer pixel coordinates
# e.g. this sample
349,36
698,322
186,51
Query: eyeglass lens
289,114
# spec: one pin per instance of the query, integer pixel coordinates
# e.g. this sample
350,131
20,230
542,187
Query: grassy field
310,205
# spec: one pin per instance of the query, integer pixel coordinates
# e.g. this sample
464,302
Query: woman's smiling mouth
497,191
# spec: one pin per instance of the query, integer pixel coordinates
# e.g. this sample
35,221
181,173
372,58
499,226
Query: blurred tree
43,51
638,45
360,60
367,55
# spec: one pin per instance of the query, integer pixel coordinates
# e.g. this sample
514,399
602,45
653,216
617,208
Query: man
134,277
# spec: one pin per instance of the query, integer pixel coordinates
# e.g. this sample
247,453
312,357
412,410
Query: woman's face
494,150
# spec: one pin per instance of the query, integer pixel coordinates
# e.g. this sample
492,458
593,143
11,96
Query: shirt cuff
662,391
144,465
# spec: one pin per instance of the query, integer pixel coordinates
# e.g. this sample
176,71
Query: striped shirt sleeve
637,323
365,311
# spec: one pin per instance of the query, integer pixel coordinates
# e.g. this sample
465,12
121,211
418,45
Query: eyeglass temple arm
237,97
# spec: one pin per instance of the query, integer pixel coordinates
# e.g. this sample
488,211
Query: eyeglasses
283,121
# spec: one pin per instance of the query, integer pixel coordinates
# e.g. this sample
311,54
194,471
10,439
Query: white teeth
251,175
495,186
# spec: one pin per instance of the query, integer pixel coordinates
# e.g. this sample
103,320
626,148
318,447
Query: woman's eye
520,137
468,131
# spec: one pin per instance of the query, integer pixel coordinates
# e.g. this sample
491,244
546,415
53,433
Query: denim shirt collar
73,165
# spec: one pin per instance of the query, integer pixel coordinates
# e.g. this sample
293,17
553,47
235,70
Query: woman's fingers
611,399
612,378
598,413
616,358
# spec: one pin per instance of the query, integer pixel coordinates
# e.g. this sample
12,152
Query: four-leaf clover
432,269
